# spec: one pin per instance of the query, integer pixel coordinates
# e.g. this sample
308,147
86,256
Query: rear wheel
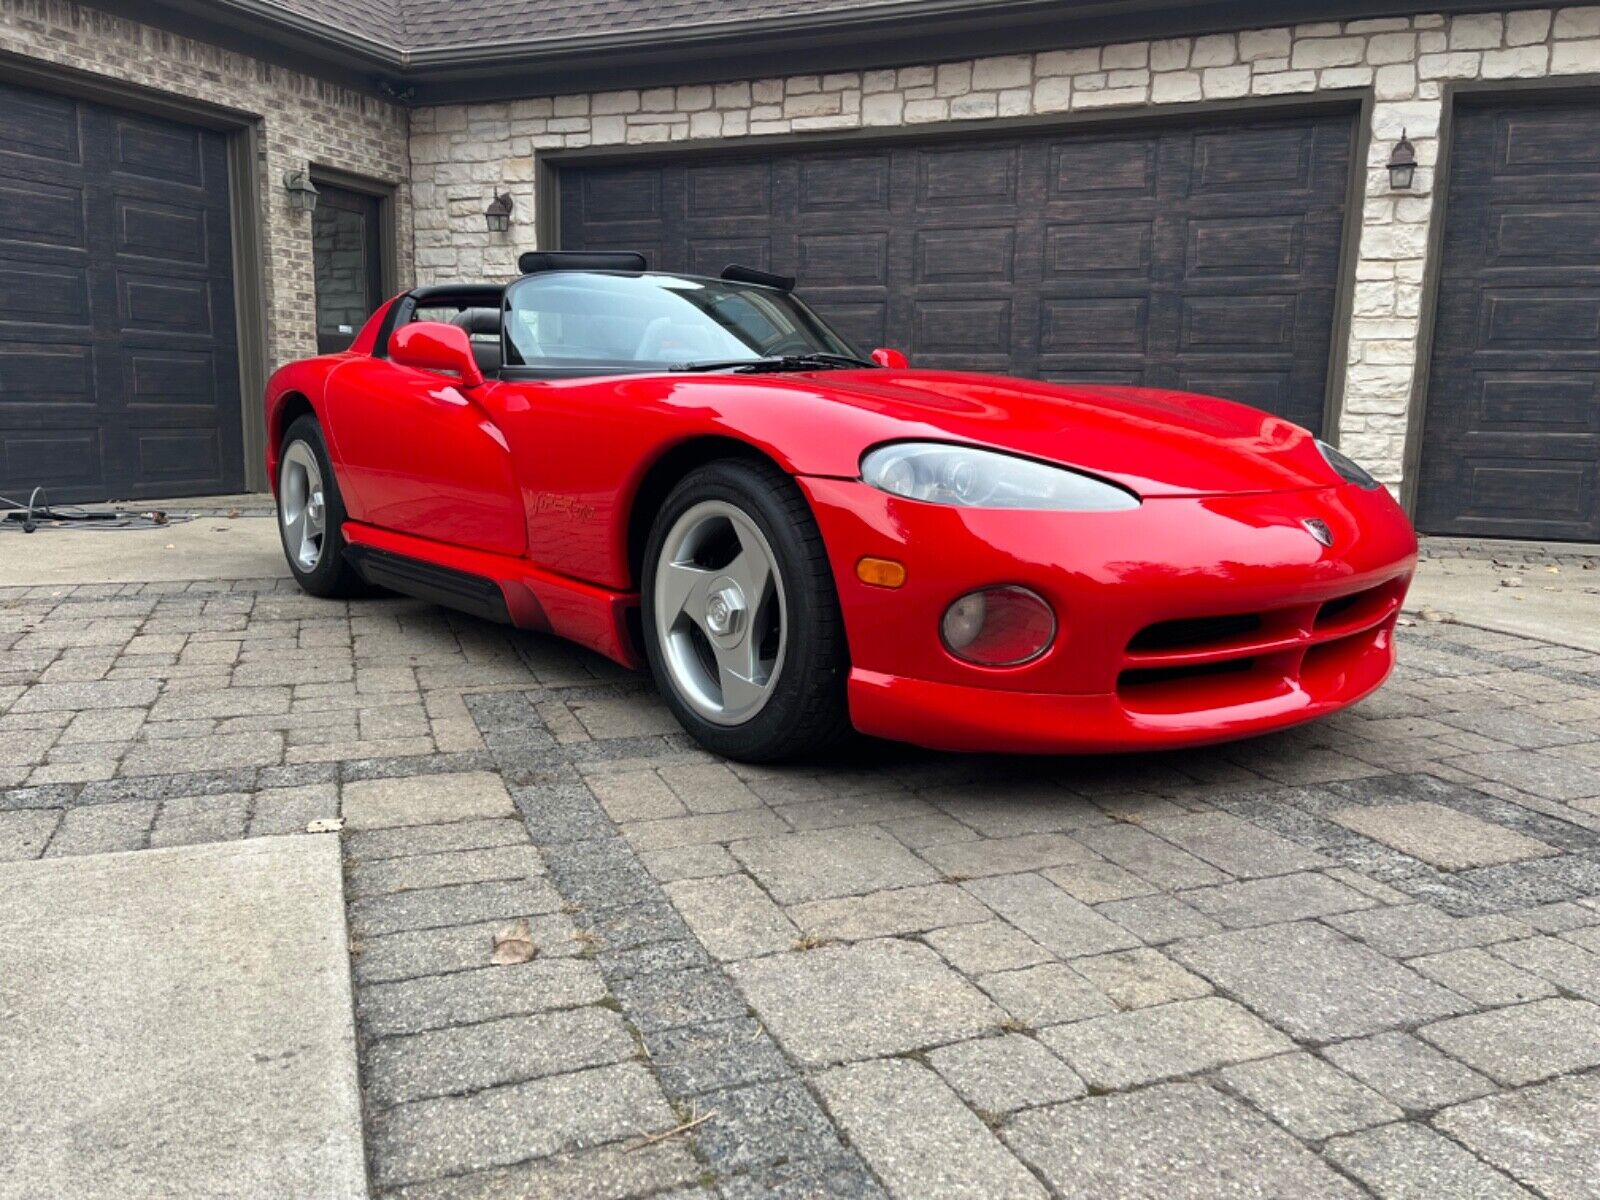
311,514
741,618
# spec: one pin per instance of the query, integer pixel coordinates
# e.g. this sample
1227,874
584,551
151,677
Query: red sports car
699,475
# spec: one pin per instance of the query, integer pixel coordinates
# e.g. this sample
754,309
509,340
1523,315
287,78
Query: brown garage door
119,370
1202,257
1511,434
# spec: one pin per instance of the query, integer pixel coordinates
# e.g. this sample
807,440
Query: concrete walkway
178,1023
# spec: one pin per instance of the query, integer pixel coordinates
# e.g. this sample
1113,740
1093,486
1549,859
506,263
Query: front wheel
311,514
741,617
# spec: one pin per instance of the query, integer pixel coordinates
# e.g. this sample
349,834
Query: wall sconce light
302,192
498,214
1402,164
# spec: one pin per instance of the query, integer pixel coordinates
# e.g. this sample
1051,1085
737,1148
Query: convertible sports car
699,475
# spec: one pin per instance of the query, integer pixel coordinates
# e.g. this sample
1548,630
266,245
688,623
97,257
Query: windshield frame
824,338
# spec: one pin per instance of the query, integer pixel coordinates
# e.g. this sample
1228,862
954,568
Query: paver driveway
1363,957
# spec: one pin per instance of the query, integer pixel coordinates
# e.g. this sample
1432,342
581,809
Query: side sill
460,590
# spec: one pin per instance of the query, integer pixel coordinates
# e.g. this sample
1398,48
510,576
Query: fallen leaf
326,825
513,944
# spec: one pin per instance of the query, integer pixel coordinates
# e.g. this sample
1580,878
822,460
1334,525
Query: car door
422,456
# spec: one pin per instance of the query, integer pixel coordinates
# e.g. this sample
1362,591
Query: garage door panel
843,259
1109,324
41,215
1512,318
35,374
44,294
1276,159
1131,255
1511,432
1249,324
157,150
167,232
1534,400
169,459
164,378
37,125
116,304
1533,235
1507,492
962,327
966,176
844,183
1231,246
69,459
970,255
1101,168
865,324
730,190
1543,141
1103,249
156,303
1269,390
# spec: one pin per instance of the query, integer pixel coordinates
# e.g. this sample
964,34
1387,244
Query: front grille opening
1194,632
1355,606
1146,676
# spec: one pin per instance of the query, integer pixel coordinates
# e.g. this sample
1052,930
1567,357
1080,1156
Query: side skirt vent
439,585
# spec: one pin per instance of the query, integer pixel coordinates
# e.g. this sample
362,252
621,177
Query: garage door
1511,434
1202,257
119,372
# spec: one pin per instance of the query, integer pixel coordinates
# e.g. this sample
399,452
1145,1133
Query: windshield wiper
813,361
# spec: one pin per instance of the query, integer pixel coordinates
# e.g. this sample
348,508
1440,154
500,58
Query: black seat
483,329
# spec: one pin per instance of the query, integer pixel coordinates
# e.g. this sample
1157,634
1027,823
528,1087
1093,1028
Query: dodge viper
698,476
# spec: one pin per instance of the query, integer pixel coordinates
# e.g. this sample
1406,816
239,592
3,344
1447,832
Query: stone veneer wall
461,154
302,120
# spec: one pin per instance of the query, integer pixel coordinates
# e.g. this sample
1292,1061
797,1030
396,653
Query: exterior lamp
498,214
302,192
1402,164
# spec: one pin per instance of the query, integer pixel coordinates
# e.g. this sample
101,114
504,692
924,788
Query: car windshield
581,321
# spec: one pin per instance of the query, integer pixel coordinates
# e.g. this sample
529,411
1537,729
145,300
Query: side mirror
885,357
435,346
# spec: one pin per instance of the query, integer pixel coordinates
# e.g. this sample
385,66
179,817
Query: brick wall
461,154
302,120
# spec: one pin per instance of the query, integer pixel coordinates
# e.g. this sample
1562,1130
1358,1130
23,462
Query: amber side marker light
881,572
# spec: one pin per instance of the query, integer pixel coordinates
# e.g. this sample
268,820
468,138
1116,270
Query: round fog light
998,626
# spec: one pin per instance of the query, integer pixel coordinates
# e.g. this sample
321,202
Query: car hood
1157,443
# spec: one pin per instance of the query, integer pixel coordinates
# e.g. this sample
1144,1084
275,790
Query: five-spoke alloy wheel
302,506
741,619
311,513
719,612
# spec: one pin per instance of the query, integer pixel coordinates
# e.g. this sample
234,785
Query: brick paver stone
919,1137
1176,1141
1547,1136
1310,981
425,800
1440,836
840,1003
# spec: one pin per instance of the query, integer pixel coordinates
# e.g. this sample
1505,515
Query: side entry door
424,456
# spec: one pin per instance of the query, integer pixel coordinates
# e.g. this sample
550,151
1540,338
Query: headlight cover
968,477
1346,467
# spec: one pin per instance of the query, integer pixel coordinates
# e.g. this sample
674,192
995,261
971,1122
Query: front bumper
1140,659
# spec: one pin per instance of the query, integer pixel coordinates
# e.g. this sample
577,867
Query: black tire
333,576
807,711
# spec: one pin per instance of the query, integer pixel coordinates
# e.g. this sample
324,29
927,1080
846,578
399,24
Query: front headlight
1347,468
971,478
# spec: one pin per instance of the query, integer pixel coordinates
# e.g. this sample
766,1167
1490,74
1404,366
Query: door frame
1552,87
242,130
548,165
